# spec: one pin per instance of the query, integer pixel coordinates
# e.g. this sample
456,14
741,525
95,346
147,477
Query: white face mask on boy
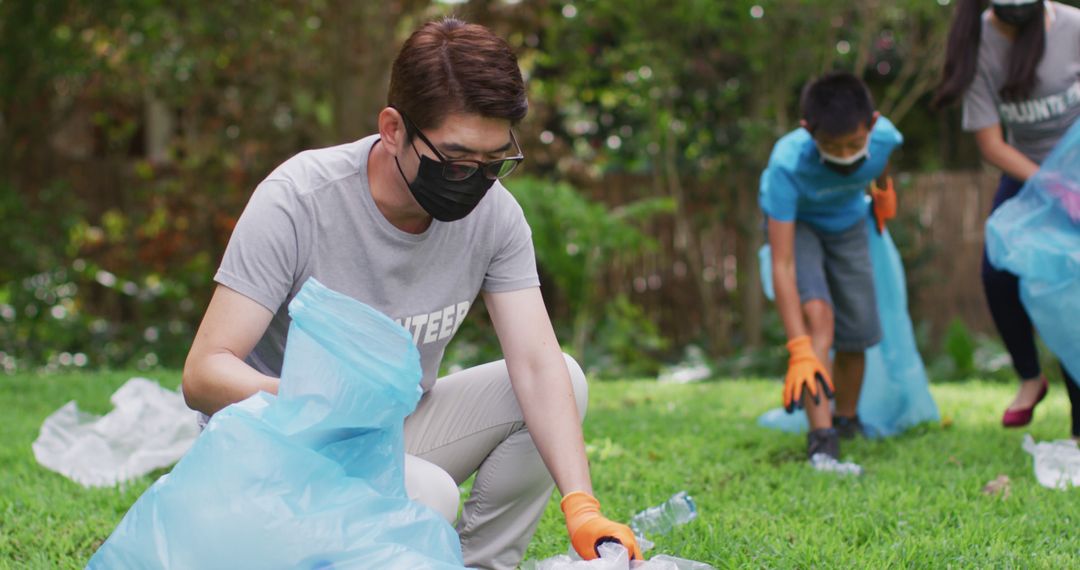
847,164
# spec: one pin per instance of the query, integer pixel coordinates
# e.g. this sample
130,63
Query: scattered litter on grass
999,486
149,428
657,520
678,510
613,556
694,368
1057,463
685,374
826,464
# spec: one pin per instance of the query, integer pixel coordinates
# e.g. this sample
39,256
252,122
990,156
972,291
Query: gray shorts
835,267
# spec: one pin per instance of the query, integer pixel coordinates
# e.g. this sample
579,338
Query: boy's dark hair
449,66
836,103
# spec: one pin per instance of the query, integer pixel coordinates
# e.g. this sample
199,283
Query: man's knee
427,484
579,383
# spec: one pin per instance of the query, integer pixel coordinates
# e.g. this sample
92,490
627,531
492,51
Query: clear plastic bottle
678,510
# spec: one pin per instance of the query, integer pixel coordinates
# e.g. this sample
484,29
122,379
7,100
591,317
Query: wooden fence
939,232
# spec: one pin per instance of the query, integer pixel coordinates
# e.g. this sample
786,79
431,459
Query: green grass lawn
920,503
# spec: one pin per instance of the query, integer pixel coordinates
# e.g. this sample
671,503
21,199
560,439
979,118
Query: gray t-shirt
314,216
1035,125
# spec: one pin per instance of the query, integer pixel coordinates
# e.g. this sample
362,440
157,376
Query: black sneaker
825,440
848,427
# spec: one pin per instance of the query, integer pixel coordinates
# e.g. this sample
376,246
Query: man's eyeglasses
456,170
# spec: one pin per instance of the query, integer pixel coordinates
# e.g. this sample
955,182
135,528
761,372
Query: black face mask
844,169
445,200
1015,15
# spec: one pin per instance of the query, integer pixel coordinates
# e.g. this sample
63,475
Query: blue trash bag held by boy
896,392
310,478
1036,235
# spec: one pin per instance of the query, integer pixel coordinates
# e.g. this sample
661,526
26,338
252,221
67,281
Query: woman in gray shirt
1016,67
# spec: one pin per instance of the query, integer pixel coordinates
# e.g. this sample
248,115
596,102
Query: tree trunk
364,41
160,128
748,224
686,233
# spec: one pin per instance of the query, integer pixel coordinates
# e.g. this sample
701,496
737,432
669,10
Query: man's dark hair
449,66
836,103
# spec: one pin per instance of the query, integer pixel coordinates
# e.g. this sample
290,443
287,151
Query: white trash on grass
1057,463
613,556
661,519
826,464
678,510
694,368
149,428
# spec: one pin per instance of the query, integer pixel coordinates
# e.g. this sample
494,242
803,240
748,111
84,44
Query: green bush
960,347
576,239
80,293
964,355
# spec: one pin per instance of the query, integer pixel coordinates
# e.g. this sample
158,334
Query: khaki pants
470,422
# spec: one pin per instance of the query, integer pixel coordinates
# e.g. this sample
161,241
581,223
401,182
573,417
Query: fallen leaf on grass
946,422
1000,486
604,450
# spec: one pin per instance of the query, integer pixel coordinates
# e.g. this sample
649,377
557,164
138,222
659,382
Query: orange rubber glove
804,372
588,528
884,203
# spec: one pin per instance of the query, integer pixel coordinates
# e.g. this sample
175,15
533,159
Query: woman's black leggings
1013,324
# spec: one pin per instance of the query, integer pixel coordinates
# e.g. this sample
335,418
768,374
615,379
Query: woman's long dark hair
1024,57
962,54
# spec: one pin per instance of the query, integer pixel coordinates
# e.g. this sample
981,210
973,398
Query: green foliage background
133,131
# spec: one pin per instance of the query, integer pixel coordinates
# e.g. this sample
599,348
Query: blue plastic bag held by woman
1036,235
312,478
896,392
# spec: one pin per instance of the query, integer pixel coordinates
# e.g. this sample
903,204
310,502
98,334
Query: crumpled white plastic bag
1057,463
149,428
613,556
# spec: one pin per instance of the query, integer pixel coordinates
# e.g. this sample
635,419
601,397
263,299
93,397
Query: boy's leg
819,321
470,422
848,370
851,282
818,314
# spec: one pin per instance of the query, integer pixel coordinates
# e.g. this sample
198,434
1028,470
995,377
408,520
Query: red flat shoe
1022,417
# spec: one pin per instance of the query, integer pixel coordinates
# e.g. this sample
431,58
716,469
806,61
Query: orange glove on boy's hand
588,528
804,372
884,203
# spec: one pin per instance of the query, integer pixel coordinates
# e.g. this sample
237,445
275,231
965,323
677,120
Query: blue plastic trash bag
1036,235
896,392
312,478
